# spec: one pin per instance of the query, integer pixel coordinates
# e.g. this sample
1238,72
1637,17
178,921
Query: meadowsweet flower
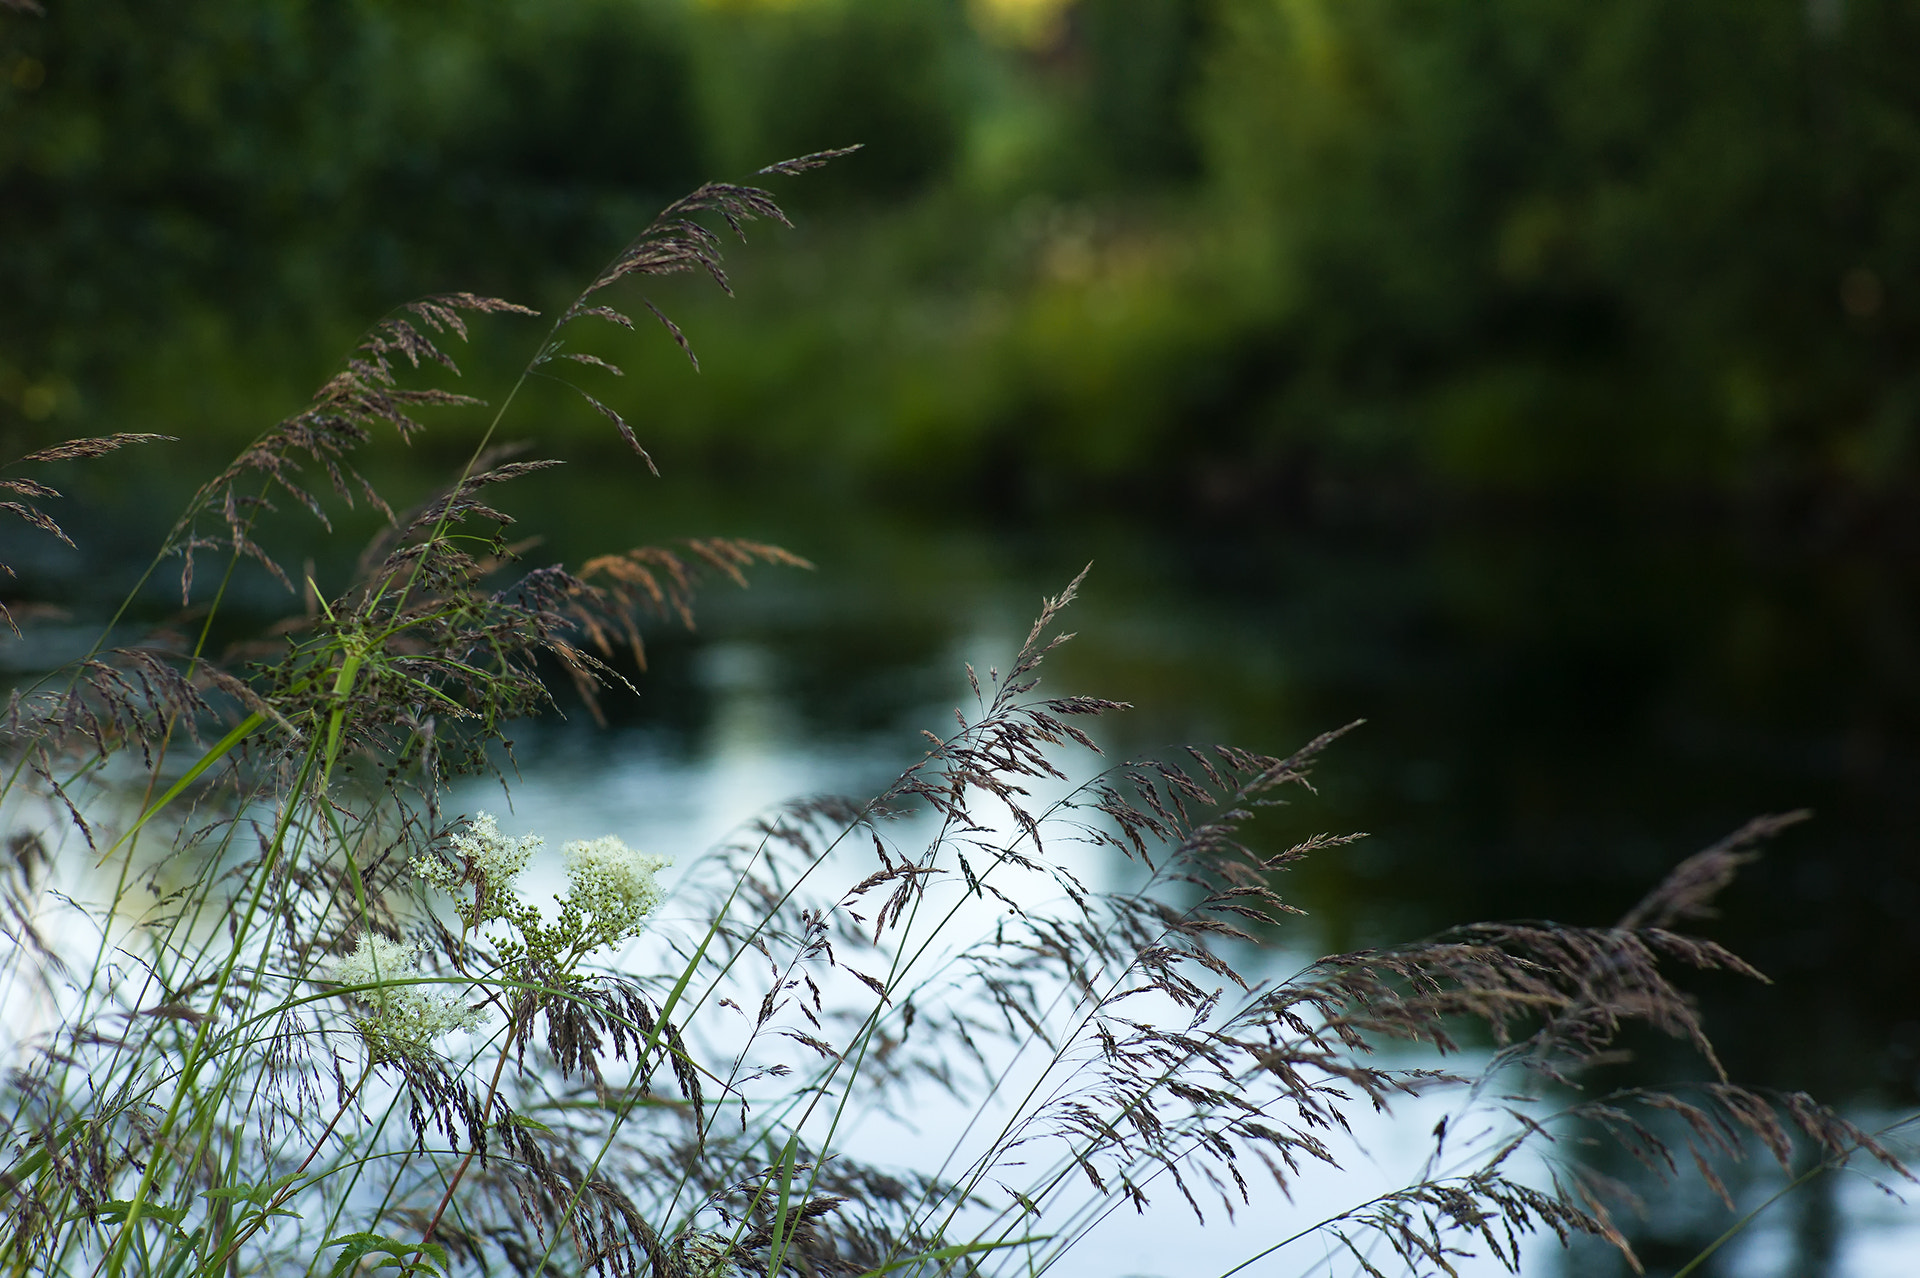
403,1018
612,887
488,860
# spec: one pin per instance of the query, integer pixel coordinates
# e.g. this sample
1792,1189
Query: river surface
1555,714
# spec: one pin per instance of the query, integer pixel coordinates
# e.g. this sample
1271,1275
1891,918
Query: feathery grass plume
67,450
1147,1073
318,1023
246,882
658,582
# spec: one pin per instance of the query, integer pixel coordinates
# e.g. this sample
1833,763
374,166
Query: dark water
1555,714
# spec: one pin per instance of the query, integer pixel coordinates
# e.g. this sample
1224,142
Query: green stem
1740,1225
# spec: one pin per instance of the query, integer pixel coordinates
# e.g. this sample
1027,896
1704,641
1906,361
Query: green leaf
785,1169
26,1168
952,1252
116,1212
405,1257
221,749
189,1244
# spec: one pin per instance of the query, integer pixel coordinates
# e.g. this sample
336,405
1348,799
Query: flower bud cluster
612,887
488,862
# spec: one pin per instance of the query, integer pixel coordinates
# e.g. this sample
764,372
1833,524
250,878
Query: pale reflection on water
679,795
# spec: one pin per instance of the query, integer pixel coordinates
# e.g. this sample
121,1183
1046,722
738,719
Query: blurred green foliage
1536,244
1267,253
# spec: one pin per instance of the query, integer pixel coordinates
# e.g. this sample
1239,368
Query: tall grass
273,1009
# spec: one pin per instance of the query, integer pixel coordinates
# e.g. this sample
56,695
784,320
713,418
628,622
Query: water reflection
1553,721
1556,714
683,792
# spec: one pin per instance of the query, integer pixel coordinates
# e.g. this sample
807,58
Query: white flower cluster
488,860
612,891
613,886
405,1018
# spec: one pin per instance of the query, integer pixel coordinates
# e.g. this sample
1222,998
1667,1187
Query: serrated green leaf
406,1256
